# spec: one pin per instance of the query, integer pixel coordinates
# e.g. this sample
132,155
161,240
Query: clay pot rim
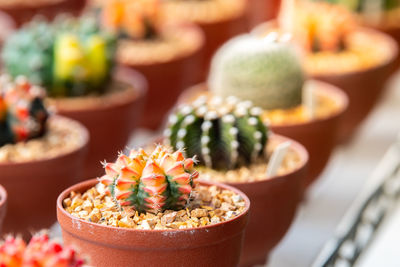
326,89
297,147
136,81
31,6
3,196
321,88
388,39
84,135
184,25
89,183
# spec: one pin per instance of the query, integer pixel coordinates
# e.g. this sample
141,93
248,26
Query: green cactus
223,133
70,57
358,5
23,115
267,72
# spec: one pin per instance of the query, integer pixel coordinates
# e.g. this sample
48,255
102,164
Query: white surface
343,179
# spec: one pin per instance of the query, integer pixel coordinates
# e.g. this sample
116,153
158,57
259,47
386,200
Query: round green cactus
222,133
70,57
266,71
359,5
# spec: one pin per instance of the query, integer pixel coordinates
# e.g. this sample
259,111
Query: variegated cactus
23,115
138,19
40,251
223,133
151,182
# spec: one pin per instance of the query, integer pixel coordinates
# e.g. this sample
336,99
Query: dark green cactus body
23,114
69,57
223,134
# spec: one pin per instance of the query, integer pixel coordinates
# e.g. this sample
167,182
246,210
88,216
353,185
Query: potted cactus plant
219,19
234,146
167,54
39,154
149,209
3,206
269,73
73,60
338,51
22,11
40,251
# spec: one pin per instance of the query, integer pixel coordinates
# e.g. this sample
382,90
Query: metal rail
359,225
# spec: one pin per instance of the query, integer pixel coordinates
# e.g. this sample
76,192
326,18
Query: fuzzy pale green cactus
151,182
222,133
266,71
70,57
23,115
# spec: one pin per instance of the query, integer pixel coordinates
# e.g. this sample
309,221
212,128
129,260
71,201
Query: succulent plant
23,115
137,19
266,71
40,251
155,182
223,133
70,57
319,26
359,5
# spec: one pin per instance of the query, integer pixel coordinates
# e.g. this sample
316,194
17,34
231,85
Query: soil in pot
355,59
205,230
220,20
168,55
234,146
22,11
38,156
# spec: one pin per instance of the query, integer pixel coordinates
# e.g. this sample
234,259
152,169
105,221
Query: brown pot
395,33
364,88
319,136
214,245
167,80
3,206
110,119
274,202
262,10
33,186
22,13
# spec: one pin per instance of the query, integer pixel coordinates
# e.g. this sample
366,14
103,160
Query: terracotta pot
262,10
319,136
214,245
22,13
395,33
220,32
33,186
274,202
3,206
110,119
167,80
364,88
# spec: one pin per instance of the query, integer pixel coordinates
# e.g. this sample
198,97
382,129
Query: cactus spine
266,71
154,183
223,133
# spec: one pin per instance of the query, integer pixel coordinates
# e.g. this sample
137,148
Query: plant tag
286,15
309,99
277,158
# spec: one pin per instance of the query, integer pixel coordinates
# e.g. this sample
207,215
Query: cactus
359,5
40,251
266,71
223,133
70,57
23,115
154,183
139,19
319,26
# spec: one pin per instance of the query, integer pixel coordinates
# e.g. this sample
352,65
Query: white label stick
277,158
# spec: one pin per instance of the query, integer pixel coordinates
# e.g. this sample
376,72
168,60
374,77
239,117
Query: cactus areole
223,133
151,182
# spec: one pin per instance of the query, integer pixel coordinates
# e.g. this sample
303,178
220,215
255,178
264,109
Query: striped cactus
223,133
